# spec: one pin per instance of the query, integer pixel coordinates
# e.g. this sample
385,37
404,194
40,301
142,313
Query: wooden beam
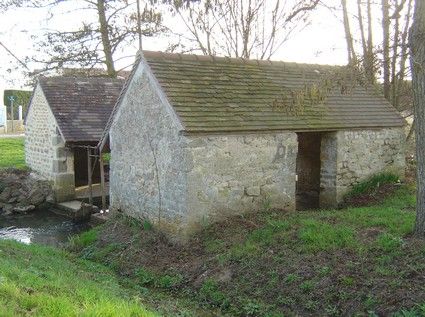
89,171
102,181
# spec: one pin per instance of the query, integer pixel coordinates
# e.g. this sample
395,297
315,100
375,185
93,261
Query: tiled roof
81,106
215,94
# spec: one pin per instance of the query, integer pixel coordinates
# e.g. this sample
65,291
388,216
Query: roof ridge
226,59
73,78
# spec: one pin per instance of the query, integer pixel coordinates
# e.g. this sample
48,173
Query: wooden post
102,180
89,167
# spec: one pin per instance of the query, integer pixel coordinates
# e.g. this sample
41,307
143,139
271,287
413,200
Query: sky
321,42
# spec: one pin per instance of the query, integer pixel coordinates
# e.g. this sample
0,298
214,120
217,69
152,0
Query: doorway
81,169
308,170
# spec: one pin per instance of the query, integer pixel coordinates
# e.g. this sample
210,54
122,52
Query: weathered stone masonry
45,151
235,173
148,163
183,181
183,153
349,157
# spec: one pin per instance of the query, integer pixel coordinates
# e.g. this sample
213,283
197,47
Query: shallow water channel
42,226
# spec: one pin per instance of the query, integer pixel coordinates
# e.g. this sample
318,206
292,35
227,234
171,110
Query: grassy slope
350,261
41,281
12,152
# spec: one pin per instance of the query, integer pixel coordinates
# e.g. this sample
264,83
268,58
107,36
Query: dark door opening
308,170
80,168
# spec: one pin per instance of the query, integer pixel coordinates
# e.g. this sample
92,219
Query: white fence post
20,113
3,115
3,118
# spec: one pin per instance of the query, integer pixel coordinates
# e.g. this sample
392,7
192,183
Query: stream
42,226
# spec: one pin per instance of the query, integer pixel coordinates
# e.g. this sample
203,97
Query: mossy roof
216,94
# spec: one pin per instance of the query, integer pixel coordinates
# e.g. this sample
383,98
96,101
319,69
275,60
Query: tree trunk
386,47
362,33
394,79
404,51
107,49
417,62
366,42
352,59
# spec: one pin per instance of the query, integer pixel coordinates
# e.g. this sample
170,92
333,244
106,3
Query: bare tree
386,47
352,58
386,59
240,28
367,46
417,61
98,40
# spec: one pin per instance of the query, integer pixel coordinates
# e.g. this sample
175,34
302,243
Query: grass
41,281
12,153
373,183
273,263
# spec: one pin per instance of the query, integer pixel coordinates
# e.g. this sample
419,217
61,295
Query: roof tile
218,94
81,106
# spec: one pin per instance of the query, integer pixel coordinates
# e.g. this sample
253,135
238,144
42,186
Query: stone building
195,139
65,114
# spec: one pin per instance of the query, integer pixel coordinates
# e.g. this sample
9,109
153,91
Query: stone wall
364,153
328,170
234,174
41,127
148,163
179,182
349,157
45,151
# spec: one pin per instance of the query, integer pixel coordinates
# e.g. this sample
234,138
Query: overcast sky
321,42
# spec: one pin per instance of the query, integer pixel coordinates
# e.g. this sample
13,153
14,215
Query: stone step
75,209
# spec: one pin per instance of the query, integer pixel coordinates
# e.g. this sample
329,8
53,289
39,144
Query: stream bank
21,192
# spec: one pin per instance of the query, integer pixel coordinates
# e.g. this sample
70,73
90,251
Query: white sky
322,42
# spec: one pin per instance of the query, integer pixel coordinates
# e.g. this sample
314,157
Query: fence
11,126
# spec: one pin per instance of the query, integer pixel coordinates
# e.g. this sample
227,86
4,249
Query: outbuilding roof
216,94
81,106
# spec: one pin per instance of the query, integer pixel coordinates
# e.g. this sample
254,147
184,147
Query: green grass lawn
41,281
355,261
12,152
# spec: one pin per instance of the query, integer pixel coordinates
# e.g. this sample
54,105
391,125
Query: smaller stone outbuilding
195,139
65,114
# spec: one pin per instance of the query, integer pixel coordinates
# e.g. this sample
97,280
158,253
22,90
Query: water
42,226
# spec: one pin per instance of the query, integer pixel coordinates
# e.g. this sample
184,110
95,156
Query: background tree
387,58
98,40
22,98
239,28
417,61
